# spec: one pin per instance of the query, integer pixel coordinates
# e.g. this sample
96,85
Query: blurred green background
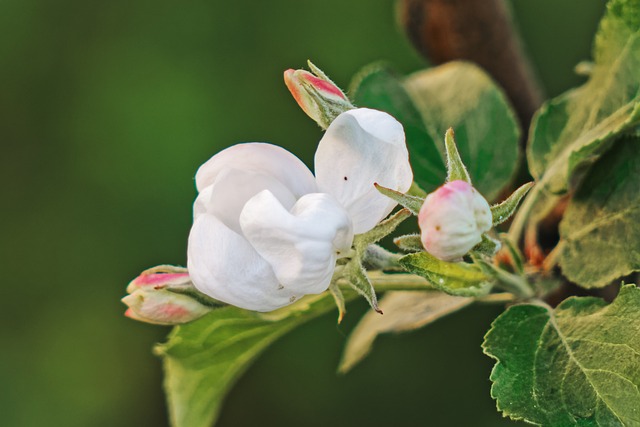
106,110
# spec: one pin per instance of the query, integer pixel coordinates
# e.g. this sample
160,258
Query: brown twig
480,31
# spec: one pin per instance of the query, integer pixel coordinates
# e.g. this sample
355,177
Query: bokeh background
106,110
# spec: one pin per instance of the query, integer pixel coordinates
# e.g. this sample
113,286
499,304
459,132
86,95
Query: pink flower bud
453,219
163,295
317,95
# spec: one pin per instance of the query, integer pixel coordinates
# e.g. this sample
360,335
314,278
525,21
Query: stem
516,285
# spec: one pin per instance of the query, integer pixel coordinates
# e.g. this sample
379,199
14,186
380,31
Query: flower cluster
267,231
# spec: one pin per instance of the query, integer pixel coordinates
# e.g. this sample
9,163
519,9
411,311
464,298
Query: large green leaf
577,365
203,359
377,86
462,96
427,103
571,131
600,231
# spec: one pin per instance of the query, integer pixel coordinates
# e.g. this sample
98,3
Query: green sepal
409,243
454,278
503,211
413,203
357,278
380,231
456,170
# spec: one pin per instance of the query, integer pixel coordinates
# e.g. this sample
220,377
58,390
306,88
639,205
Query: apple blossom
453,219
267,232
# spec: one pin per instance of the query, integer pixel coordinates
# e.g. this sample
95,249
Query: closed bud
453,219
164,295
317,95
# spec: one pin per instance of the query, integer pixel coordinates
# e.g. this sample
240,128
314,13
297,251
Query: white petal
301,245
223,265
262,158
226,197
362,147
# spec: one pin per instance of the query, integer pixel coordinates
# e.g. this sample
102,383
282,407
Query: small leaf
409,243
405,311
577,365
600,236
358,280
503,211
573,130
456,170
412,203
454,278
203,359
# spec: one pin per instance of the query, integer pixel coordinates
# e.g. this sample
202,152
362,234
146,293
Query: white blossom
267,232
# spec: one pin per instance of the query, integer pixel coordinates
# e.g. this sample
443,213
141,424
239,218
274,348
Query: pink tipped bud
317,95
164,295
453,219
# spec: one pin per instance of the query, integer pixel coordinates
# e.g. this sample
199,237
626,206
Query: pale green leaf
577,365
403,311
461,96
203,359
454,278
600,231
571,131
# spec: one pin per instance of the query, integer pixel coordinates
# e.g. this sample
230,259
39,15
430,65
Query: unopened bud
453,219
317,95
164,295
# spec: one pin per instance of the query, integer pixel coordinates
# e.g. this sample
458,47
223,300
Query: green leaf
577,365
404,311
600,232
571,131
377,86
503,211
461,96
456,170
203,359
454,278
